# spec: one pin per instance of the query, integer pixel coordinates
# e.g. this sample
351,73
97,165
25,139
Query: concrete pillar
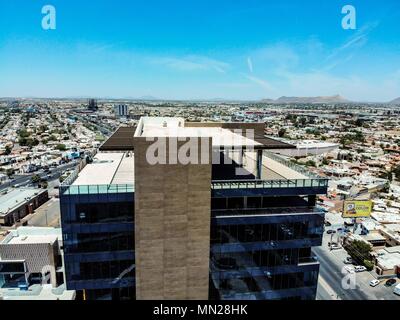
259,163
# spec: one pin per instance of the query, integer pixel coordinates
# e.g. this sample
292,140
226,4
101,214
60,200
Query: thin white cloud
358,40
250,64
261,82
192,63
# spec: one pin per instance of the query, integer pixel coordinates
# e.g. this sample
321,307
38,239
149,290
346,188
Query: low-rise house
16,203
31,261
387,261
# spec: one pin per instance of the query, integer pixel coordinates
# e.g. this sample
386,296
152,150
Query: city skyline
185,51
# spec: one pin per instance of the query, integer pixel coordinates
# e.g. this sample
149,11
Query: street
24,180
331,276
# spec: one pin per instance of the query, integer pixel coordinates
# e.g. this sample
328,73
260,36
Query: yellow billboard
357,209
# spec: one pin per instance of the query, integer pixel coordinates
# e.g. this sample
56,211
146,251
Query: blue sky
242,49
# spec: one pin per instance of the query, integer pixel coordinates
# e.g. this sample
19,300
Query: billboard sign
357,209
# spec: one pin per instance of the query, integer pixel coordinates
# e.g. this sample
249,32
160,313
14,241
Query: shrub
368,264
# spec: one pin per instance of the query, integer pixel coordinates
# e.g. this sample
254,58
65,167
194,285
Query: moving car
374,283
390,282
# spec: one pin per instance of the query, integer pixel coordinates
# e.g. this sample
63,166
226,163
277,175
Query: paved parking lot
47,215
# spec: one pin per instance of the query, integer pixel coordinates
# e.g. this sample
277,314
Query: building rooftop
30,235
38,292
389,257
222,134
108,168
13,198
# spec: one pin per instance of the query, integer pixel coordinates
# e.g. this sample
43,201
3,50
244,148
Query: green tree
359,251
35,179
61,147
281,132
396,172
310,163
8,150
368,264
23,133
10,172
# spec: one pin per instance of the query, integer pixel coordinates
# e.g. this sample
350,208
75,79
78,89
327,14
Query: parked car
396,290
348,260
374,283
330,231
390,282
335,247
360,268
328,224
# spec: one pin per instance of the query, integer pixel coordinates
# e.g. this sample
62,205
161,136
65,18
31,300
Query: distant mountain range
395,101
336,99
322,99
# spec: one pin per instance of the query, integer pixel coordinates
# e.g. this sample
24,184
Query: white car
349,269
397,290
360,268
374,283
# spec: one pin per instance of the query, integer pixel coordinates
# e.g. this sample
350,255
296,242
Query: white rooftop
108,168
33,235
38,292
175,127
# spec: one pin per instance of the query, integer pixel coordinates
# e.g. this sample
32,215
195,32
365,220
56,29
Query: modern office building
192,211
97,214
121,110
92,105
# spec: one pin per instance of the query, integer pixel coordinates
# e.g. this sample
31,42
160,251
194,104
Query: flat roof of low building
38,292
389,257
14,198
33,235
108,168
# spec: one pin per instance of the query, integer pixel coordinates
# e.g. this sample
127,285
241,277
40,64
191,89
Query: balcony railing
272,184
263,211
96,189
290,164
